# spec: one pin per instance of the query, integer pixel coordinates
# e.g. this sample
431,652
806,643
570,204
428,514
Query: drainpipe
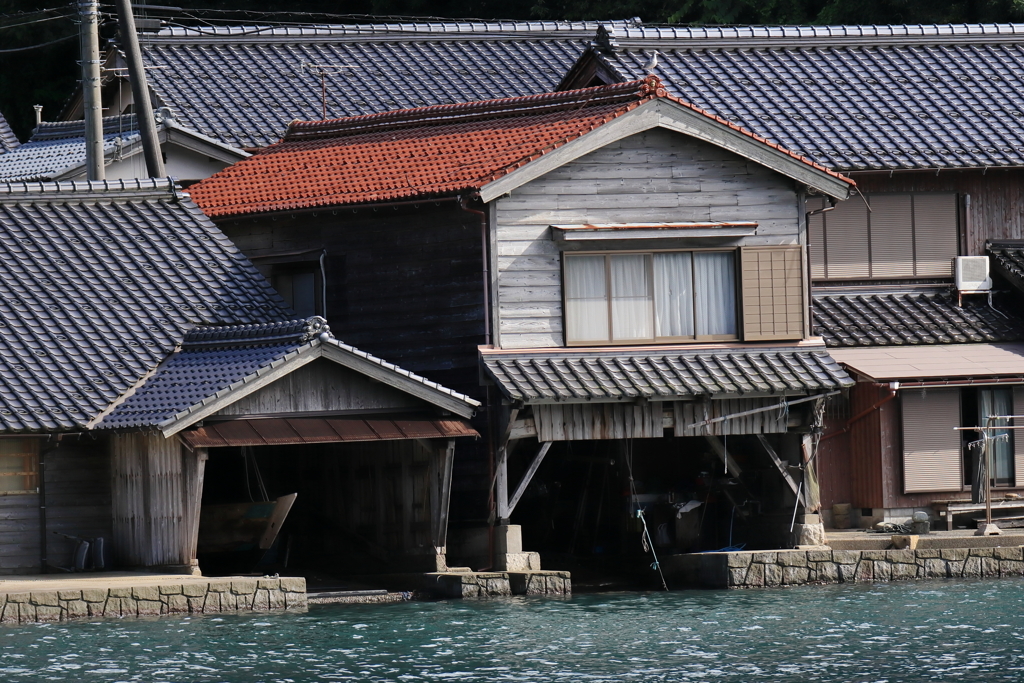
43,559
893,387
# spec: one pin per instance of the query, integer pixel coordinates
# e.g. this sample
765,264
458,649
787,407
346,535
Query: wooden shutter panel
892,235
935,234
848,247
773,292
816,237
932,460
1018,437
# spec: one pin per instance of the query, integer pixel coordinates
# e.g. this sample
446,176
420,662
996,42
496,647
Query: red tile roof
421,153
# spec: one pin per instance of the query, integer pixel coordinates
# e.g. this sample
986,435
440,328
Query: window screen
19,465
643,297
904,235
931,448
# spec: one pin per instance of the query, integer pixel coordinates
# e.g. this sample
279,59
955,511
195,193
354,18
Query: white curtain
673,294
586,302
998,402
632,310
715,282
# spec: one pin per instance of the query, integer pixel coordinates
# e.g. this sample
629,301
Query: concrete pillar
508,550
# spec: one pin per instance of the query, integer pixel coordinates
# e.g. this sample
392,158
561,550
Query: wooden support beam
501,469
528,476
730,463
779,465
446,457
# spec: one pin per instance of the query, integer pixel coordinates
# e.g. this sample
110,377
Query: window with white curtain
645,297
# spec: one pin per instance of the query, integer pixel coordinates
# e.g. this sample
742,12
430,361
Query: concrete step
871,541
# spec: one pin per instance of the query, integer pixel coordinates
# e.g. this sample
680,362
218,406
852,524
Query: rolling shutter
932,459
773,292
848,244
892,243
1018,437
935,234
816,237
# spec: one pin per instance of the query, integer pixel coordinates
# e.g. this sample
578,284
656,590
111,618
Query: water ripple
929,631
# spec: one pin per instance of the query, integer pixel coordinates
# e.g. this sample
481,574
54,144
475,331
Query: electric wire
33,47
35,21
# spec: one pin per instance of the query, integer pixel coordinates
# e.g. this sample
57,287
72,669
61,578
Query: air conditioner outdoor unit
972,274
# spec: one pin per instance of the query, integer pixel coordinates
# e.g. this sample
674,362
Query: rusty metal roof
308,430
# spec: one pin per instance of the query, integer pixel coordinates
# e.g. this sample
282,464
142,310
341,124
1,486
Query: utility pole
89,12
140,90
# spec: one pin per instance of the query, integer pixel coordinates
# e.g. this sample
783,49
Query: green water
925,631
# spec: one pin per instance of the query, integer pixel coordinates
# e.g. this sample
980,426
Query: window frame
695,339
29,475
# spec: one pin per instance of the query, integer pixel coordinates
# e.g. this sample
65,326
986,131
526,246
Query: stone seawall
757,569
196,597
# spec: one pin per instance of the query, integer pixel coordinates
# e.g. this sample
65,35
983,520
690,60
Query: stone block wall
196,597
798,567
497,584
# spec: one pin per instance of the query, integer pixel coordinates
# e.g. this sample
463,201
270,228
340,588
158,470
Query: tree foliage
47,75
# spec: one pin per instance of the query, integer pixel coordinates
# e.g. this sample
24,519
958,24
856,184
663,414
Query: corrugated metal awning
306,430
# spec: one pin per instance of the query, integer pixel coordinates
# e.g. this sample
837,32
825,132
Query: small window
300,289
19,465
645,297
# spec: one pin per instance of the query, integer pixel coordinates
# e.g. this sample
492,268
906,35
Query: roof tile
418,153
621,375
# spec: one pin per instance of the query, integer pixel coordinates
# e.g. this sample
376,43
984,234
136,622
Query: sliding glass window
646,297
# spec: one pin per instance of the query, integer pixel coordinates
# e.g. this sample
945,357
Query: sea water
912,631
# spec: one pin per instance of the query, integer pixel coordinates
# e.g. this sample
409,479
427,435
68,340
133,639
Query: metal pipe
44,560
89,13
140,90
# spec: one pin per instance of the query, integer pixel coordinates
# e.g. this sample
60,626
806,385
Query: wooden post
194,472
501,485
447,456
528,476
812,499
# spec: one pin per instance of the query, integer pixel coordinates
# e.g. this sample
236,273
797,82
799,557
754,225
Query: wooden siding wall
766,422
834,464
997,198
77,503
575,421
656,176
156,485
866,440
321,386
403,284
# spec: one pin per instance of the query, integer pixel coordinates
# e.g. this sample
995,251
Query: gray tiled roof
850,97
98,283
214,360
1007,260
8,141
243,85
211,360
57,149
900,319
625,375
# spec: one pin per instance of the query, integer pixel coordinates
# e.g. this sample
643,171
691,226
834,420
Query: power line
33,47
37,21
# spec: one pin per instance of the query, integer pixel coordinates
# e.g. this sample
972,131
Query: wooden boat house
617,275
149,370
927,120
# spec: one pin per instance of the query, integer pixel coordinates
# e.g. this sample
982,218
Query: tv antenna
323,70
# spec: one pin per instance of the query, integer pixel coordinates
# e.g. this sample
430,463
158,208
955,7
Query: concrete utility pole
89,11
140,90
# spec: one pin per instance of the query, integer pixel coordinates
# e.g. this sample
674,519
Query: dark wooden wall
405,284
77,502
997,198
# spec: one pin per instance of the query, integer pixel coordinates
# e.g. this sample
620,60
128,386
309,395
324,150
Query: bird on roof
652,63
